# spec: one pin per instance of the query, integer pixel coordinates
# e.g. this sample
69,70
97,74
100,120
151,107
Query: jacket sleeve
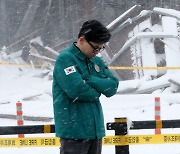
71,81
106,84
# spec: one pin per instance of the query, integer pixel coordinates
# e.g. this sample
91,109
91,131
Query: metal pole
20,121
121,129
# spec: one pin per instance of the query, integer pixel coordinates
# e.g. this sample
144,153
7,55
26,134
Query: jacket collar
77,52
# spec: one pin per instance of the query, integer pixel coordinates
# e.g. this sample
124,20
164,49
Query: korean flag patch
69,70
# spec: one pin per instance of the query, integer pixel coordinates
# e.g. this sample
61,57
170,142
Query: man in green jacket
79,78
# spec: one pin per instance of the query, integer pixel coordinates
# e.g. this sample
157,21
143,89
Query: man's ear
82,39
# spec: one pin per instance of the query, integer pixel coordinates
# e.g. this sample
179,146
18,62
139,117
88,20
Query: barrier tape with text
107,140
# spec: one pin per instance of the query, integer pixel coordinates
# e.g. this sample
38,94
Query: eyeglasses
96,49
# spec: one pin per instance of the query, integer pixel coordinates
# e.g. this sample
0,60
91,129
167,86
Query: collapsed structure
145,40
140,39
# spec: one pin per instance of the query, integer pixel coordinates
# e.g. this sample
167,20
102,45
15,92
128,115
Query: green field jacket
78,83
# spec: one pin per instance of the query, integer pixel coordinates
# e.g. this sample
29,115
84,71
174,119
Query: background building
57,22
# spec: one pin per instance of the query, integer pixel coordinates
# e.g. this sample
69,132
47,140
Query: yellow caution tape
29,142
110,67
142,68
107,140
141,139
15,64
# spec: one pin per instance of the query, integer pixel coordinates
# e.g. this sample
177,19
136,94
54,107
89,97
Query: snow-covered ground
17,85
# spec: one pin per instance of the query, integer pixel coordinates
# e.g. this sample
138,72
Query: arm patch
69,70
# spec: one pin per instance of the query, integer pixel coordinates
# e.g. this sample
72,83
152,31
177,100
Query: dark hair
95,31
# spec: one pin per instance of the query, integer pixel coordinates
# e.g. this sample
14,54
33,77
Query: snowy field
17,85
